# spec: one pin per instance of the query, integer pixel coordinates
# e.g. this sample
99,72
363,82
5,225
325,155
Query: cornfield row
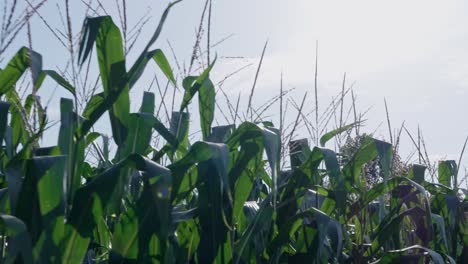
223,199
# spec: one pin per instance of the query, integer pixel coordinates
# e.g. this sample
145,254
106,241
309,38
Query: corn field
223,199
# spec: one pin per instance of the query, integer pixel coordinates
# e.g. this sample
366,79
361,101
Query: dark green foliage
223,199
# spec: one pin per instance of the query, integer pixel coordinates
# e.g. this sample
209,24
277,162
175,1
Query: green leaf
158,56
19,242
89,33
51,196
219,134
91,137
4,106
193,84
5,200
111,58
389,226
272,143
42,194
94,104
337,180
335,132
241,176
50,173
69,146
378,190
206,105
416,173
262,216
179,128
148,103
141,124
447,170
91,200
164,65
260,238
440,224
153,215
56,77
298,150
385,153
213,200
137,69
183,179
125,238
352,170
399,256
22,60
19,119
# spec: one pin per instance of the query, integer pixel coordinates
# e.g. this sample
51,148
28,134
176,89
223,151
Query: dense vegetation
223,199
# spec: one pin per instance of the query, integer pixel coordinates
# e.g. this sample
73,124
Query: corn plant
222,199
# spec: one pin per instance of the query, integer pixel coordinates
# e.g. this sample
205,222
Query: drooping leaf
96,102
137,69
325,138
389,226
399,256
57,78
366,152
219,134
91,137
193,84
164,65
272,144
158,56
22,60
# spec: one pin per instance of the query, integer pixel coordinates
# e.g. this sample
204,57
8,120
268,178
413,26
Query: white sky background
414,53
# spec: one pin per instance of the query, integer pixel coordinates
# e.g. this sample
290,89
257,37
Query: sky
412,53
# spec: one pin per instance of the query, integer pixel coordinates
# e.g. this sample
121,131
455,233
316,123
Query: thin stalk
341,105
249,106
291,134
208,35
316,95
281,105
354,112
458,164
237,109
198,37
388,122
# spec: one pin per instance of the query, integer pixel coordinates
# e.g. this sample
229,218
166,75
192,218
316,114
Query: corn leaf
22,60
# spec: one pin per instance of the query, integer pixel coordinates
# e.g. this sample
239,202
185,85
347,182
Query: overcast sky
413,53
